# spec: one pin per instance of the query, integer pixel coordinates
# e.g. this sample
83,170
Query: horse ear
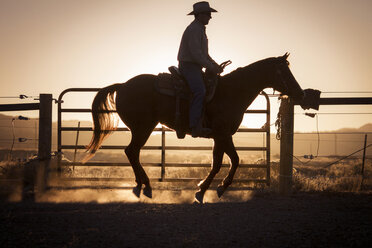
286,55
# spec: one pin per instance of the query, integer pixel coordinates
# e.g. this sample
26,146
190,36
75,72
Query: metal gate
163,165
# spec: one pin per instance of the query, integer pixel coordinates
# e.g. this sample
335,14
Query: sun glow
95,44
252,120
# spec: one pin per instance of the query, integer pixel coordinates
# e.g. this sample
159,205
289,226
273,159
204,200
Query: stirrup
203,133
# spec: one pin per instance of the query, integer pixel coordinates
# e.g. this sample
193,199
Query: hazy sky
50,45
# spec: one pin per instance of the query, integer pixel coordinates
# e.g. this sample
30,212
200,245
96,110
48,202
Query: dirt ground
265,220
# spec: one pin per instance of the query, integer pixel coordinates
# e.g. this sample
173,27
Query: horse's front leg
216,166
234,159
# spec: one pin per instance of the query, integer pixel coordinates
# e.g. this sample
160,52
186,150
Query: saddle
174,84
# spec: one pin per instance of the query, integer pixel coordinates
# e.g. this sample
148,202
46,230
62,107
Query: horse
141,107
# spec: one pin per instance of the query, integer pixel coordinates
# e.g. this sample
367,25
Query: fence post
162,153
286,146
364,159
76,144
45,126
45,139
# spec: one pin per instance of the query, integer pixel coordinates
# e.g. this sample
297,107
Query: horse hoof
137,191
199,197
147,191
220,191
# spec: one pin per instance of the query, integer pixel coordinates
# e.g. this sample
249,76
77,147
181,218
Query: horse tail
104,121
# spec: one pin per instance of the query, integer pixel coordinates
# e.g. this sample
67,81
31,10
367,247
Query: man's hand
216,69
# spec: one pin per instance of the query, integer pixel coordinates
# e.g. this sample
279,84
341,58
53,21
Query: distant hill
363,129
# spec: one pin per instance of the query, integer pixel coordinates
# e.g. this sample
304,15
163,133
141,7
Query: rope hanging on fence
311,157
279,126
278,122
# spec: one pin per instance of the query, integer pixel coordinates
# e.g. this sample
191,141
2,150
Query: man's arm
195,46
212,60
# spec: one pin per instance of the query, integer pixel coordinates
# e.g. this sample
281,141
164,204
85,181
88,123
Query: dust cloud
126,196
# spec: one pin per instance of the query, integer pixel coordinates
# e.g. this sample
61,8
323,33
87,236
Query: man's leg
193,74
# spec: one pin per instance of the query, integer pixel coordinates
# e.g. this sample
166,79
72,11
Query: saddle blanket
171,85
167,84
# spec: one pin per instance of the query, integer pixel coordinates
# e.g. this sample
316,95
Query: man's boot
200,131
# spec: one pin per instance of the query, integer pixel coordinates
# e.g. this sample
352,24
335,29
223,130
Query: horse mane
251,68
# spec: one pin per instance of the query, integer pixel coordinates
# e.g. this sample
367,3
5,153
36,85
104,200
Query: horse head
283,80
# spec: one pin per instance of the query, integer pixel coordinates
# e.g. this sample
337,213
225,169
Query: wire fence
331,144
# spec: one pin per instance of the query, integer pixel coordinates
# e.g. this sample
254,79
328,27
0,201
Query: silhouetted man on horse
193,56
141,105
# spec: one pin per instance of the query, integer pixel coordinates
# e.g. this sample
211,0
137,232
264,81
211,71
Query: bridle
279,73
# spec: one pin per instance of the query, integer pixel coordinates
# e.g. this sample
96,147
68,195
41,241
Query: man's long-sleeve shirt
194,46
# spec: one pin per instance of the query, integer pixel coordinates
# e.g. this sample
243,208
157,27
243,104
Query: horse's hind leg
139,138
234,158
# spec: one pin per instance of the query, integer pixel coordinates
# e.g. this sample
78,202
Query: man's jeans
194,77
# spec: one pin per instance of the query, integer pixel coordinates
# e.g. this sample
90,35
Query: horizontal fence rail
345,101
19,107
163,148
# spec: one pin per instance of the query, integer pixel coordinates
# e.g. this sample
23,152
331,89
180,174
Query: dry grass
315,176
344,176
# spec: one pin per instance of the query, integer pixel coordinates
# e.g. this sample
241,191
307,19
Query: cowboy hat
201,7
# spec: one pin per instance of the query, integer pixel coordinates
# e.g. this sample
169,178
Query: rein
278,122
280,74
223,65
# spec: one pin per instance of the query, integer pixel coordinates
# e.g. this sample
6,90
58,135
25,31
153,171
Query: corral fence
45,131
163,165
286,141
